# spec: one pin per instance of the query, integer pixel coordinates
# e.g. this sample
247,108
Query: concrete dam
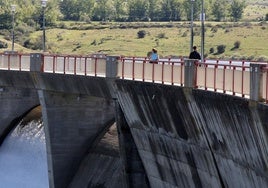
168,135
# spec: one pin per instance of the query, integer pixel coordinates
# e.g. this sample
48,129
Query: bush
161,35
221,49
141,34
214,29
185,34
237,44
36,44
3,44
211,50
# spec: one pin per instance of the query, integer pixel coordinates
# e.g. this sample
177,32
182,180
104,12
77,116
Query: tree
154,10
218,9
121,13
170,10
187,9
75,9
138,10
236,9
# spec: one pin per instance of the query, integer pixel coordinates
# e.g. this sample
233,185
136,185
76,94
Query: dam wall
17,97
194,138
169,136
77,111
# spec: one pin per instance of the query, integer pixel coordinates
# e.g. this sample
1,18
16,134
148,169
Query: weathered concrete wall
77,111
73,124
170,136
193,138
14,104
102,167
133,169
17,97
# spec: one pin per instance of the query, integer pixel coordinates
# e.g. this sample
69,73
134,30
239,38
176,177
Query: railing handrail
139,68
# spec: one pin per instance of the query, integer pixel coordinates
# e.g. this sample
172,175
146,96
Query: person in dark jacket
194,54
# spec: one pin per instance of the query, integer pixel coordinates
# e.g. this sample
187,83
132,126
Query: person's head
194,47
154,50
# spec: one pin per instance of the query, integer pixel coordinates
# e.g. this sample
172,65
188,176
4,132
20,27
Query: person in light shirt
154,56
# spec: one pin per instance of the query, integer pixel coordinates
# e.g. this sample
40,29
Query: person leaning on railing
154,56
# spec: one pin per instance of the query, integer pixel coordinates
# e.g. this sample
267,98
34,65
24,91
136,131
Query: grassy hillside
173,40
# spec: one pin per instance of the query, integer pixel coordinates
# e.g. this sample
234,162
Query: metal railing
231,77
77,65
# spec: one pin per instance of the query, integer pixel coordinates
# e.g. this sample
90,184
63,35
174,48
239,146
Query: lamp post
44,4
202,31
13,9
192,31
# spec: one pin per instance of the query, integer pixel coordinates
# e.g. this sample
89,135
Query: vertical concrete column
73,124
189,73
36,62
255,81
111,66
133,169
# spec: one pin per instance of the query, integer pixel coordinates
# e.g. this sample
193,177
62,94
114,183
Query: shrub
141,34
237,44
185,34
36,44
3,44
161,35
211,50
227,30
214,29
221,49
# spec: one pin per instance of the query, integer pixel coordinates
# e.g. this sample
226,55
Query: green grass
174,41
255,11
253,39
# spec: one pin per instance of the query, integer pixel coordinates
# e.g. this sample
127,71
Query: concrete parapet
36,62
111,66
189,73
256,81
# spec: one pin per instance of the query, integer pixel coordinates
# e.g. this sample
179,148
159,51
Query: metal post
44,3
13,9
202,32
44,32
192,31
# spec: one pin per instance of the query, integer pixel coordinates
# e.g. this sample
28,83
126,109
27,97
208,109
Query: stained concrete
195,138
73,125
169,136
15,103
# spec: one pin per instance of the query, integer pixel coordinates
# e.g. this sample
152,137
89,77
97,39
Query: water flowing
23,161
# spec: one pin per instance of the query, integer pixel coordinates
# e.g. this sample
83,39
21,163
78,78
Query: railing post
112,66
36,62
189,73
256,82
11,57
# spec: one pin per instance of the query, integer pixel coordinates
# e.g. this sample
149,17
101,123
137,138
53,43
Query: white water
23,160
